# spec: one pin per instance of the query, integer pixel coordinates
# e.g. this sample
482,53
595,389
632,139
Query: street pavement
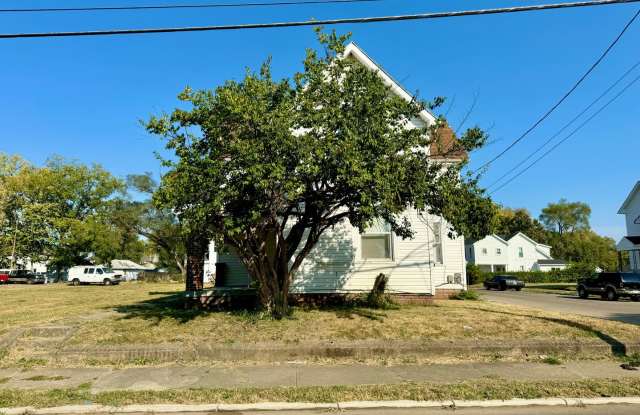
622,310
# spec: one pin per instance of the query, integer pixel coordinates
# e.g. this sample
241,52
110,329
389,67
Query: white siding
632,215
491,258
336,264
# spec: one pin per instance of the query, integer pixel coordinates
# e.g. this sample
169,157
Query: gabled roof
623,208
352,49
442,145
528,239
493,235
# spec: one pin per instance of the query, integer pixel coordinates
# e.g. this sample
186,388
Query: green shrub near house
570,274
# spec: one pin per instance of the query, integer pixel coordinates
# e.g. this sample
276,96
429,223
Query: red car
4,276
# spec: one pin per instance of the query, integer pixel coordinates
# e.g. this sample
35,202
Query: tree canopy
566,216
268,165
58,213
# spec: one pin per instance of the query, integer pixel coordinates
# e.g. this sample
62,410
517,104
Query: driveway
623,310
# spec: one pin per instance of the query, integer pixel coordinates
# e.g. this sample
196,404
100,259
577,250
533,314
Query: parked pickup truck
91,274
611,286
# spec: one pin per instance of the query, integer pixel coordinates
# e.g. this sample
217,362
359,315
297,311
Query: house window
520,252
521,267
484,251
376,242
437,243
498,251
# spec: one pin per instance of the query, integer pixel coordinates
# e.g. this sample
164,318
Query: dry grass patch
145,313
472,390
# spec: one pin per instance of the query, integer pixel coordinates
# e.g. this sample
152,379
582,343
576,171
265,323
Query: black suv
504,282
611,285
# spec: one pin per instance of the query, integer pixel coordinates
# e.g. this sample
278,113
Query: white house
346,261
519,253
631,243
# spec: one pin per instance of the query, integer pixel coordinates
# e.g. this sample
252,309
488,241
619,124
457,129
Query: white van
91,274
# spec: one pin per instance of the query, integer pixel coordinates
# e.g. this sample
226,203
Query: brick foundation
444,294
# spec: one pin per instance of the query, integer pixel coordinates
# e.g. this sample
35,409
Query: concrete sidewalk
180,377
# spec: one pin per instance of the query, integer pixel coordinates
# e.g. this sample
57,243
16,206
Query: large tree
566,216
57,213
137,214
267,166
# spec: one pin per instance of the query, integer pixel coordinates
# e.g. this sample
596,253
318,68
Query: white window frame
498,251
437,245
368,234
520,252
484,251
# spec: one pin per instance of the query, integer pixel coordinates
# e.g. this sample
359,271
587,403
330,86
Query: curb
292,406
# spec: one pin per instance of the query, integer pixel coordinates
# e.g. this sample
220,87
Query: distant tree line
565,227
66,213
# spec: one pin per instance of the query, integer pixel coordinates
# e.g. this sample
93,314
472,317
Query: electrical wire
636,79
567,125
326,22
564,97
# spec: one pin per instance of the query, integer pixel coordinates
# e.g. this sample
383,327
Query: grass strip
470,390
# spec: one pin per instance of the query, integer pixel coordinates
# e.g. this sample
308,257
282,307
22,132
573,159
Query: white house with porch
631,243
345,261
519,253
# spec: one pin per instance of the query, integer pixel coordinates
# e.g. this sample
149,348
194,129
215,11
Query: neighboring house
130,269
519,253
631,243
346,261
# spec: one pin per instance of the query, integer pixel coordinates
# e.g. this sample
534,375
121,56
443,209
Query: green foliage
566,216
566,230
509,222
268,165
465,295
57,213
160,226
570,274
552,360
585,246
474,274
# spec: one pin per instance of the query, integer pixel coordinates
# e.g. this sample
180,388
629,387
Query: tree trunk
196,249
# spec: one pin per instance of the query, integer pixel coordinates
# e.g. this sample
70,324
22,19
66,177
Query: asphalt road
589,410
622,310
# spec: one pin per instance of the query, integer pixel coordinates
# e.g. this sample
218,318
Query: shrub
465,295
569,274
474,274
377,298
150,276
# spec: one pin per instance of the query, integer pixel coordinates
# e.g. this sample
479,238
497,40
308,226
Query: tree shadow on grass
171,306
617,347
353,312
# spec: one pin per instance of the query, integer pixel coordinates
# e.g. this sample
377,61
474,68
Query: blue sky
82,98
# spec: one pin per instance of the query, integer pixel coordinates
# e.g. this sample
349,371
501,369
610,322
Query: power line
567,125
578,128
356,20
182,6
565,96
